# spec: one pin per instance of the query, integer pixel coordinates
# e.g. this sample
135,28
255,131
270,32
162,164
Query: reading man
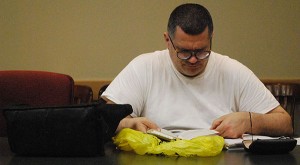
188,86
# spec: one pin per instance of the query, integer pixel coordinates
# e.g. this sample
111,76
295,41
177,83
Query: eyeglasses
187,54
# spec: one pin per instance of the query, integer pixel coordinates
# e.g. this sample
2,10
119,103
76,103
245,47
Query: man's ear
212,34
166,38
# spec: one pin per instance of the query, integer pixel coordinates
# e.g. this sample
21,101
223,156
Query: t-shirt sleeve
253,95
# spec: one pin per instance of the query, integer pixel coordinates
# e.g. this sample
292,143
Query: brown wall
93,40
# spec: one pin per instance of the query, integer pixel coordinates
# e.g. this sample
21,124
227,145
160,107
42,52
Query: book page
190,134
233,143
181,134
298,141
162,134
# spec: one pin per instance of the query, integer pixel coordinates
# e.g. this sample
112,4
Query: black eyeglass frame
192,53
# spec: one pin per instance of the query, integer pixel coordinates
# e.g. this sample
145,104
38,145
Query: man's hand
138,123
233,125
277,122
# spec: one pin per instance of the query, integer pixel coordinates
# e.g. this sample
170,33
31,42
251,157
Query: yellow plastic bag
141,143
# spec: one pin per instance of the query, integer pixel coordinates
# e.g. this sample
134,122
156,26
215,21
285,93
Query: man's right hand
137,123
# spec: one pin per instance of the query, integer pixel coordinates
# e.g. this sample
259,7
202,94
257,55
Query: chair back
287,94
83,94
101,90
33,88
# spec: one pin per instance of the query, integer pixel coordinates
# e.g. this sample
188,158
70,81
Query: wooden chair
101,90
83,94
288,94
33,88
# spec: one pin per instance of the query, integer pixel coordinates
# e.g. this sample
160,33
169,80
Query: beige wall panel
93,40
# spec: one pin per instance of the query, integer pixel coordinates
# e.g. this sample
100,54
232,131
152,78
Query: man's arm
277,122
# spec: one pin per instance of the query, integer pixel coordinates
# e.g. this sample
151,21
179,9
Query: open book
180,134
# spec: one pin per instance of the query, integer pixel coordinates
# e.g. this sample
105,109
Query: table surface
116,157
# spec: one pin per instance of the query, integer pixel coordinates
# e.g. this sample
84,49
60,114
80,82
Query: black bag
76,130
270,146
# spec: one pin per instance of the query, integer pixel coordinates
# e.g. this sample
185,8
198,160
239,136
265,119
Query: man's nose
193,59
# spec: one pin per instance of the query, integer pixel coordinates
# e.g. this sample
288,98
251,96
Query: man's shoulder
226,62
153,55
228,68
151,58
220,58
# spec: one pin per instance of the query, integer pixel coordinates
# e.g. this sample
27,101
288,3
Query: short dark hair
191,18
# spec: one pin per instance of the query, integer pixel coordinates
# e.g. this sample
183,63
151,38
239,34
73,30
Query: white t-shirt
156,90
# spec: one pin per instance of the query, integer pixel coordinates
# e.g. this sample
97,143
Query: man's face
184,42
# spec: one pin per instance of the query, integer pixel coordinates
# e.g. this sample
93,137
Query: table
116,157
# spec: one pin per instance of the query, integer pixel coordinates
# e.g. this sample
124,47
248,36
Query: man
189,86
